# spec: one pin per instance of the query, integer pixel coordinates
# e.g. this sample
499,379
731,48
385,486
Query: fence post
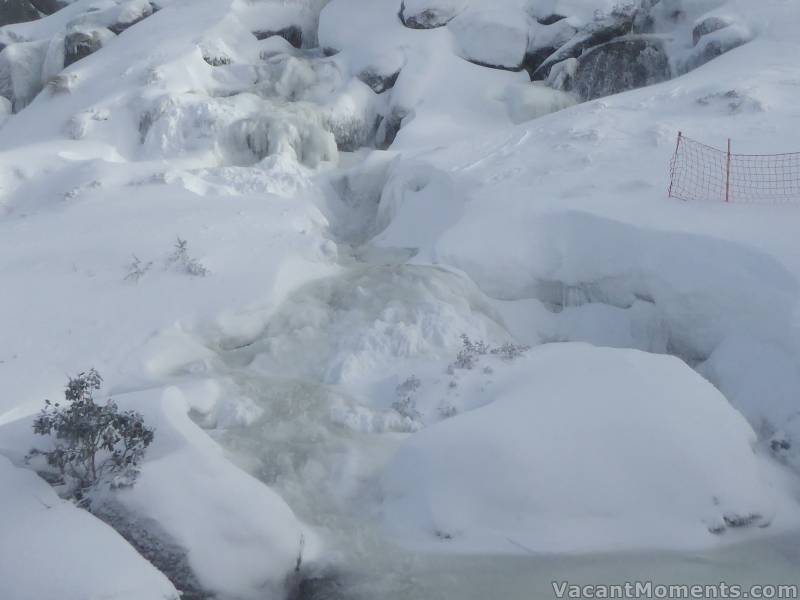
674,161
728,174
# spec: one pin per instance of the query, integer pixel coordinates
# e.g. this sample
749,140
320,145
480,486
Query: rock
551,19
292,34
17,11
594,34
492,38
80,43
708,25
716,43
543,41
429,14
379,82
389,127
620,65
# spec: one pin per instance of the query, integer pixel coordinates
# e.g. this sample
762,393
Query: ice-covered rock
493,37
655,457
17,11
429,14
619,66
82,41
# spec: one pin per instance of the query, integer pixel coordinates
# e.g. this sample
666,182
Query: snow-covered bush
94,443
137,269
182,262
405,404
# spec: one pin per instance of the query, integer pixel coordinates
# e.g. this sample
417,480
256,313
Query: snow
282,383
51,549
581,449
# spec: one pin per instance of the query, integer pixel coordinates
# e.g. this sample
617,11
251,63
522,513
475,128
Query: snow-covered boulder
21,67
52,549
493,38
118,17
601,30
429,14
708,25
81,42
17,11
716,43
619,66
582,448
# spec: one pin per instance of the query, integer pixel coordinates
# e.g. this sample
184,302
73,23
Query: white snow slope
630,374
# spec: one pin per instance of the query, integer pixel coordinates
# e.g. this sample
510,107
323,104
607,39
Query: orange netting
701,172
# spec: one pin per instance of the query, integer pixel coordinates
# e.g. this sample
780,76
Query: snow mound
51,549
583,449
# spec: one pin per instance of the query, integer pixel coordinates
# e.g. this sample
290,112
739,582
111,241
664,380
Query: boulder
377,81
429,14
706,26
619,66
80,43
17,11
594,34
292,34
716,43
543,41
389,127
492,38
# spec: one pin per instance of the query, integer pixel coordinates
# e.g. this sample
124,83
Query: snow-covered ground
437,331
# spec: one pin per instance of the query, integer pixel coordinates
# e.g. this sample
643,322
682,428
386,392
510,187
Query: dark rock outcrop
17,11
618,66
292,34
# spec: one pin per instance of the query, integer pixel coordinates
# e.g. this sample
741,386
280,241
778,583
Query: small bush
406,405
94,443
137,269
181,261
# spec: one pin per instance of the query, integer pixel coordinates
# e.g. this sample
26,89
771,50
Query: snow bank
242,539
583,449
51,549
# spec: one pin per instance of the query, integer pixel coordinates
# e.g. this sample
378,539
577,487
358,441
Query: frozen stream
322,446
